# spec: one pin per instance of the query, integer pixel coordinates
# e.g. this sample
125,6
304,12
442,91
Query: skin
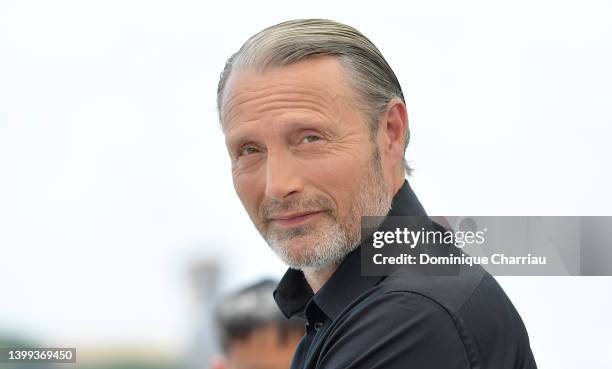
295,134
263,349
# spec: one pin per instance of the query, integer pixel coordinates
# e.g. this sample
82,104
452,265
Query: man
316,126
253,333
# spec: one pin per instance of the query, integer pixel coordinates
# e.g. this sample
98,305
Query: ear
391,132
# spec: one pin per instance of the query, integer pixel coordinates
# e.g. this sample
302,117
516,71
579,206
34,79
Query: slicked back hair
368,73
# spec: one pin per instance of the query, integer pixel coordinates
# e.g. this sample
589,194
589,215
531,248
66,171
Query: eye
247,150
310,138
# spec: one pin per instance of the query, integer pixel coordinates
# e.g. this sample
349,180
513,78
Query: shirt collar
293,292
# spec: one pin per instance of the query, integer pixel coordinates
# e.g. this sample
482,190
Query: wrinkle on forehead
257,104
250,95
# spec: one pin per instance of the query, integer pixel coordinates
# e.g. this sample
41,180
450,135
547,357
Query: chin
296,253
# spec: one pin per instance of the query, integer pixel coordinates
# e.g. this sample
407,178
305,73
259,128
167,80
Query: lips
295,215
295,218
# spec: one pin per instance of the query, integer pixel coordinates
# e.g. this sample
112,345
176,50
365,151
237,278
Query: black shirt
404,320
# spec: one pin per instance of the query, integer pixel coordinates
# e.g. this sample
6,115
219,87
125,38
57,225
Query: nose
282,178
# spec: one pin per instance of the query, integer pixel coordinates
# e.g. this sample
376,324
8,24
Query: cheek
250,189
339,178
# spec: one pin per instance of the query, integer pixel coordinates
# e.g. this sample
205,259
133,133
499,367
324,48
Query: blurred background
119,225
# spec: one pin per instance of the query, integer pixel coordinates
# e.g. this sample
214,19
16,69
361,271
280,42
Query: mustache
272,207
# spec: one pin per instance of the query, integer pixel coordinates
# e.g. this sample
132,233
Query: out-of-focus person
252,331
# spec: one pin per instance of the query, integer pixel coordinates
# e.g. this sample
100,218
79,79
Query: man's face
303,162
263,349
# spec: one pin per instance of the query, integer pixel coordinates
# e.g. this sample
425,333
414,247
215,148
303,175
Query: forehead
317,84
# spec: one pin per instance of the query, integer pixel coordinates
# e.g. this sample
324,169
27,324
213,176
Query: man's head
253,332
316,128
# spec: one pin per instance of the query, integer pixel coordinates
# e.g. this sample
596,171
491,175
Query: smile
295,219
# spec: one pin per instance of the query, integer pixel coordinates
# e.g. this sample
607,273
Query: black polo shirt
404,320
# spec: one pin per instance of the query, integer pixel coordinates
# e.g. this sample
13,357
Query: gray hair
295,40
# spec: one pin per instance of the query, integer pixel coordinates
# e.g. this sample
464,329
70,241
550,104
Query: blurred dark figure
253,333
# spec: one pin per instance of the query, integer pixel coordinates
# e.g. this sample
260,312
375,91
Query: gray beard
336,240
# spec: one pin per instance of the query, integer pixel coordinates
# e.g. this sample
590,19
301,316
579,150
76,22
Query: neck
316,278
398,181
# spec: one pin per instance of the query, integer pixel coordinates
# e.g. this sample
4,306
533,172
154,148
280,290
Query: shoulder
484,319
450,292
390,329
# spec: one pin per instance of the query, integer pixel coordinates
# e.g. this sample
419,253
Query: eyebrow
291,124
235,136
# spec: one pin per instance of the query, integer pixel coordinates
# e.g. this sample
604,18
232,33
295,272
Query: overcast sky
114,177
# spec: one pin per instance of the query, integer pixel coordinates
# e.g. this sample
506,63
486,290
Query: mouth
294,219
